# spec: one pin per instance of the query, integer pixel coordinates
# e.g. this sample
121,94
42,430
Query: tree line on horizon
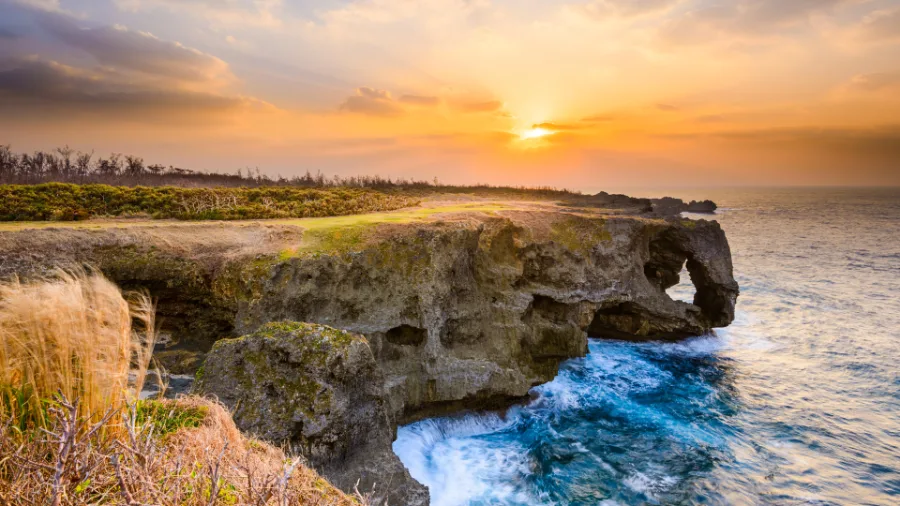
66,165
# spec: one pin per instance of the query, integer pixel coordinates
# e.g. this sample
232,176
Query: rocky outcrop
463,313
668,206
474,312
320,390
703,207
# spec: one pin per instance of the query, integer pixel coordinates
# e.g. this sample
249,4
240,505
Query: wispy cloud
372,102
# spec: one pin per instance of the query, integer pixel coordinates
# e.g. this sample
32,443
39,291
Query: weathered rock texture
468,312
318,389
464,313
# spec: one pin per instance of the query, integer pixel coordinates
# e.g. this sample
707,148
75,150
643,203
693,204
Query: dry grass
73,432
70,334
75,462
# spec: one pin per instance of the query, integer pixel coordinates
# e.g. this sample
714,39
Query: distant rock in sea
669,206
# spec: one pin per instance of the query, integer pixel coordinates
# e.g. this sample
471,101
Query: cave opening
406,335
685,290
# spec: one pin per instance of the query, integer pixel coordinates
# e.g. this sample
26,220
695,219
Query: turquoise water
798,402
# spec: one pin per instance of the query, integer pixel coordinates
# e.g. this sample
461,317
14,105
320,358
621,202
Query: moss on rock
317,388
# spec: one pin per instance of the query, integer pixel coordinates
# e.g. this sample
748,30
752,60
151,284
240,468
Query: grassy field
71,202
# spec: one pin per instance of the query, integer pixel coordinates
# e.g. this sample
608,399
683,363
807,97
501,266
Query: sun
536,133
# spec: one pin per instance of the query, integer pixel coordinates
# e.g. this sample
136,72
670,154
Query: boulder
320,391
705,206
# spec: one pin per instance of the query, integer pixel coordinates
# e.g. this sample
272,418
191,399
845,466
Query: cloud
241,13
136,76
120,47
747,19
420,100
666,107
28,85
8,33
372,102
711,118
880,26
599,118
557,127
875,81
625,8
478,107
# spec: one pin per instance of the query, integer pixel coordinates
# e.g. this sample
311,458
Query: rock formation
469,312
320,390
668,206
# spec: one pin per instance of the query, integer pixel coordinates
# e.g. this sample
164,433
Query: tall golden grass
72,431
73,333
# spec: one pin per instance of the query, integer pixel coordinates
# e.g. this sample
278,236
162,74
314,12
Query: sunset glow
613,92
536,133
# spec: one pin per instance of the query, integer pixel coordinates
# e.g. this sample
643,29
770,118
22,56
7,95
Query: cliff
458,307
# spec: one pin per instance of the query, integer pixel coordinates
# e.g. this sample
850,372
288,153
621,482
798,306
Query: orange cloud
372,102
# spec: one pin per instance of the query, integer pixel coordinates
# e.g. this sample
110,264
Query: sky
574,94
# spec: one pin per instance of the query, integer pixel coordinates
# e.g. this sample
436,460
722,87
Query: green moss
262,353
689,224
580,234
307,335
341,239
168,417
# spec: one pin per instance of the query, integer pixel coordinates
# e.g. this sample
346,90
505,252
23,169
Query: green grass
25,415
168,417
71,202
346,233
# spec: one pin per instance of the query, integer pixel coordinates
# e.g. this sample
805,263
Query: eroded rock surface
474,312
468,312
319,389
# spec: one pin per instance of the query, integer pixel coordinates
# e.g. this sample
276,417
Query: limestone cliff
458,311
318,389
466,312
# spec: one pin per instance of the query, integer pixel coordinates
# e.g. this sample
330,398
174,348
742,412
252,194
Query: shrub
68,202
72,432
202,459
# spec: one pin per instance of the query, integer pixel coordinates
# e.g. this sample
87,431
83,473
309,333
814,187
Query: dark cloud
372,102
122,48
8,33
33,86
420,100
138,75
475,107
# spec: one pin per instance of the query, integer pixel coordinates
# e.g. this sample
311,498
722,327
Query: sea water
797,402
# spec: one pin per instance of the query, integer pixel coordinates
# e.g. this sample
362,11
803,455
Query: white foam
447,456
649,484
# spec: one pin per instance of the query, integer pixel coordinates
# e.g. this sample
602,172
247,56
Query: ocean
797,402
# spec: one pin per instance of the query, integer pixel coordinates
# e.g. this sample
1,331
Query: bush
198,459
68,202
